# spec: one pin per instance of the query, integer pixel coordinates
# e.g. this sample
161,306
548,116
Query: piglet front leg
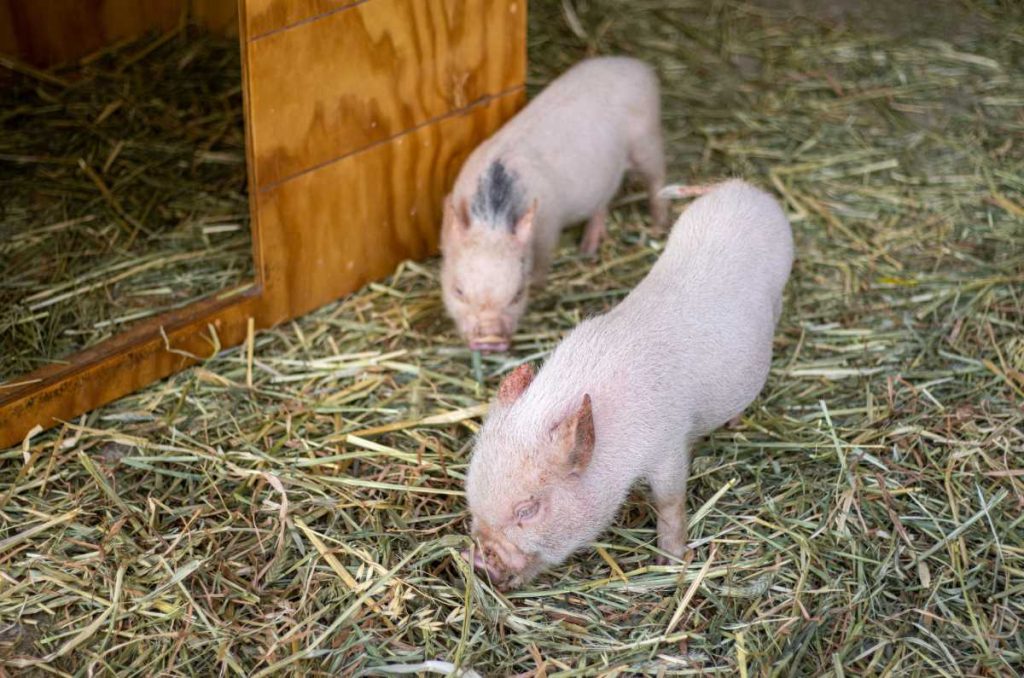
671,527
593,233
668,489
544,246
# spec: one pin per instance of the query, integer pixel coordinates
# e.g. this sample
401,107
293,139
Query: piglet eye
527,510
519,295
459,293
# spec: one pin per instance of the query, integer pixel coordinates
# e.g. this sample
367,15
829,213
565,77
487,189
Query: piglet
558,162
626,394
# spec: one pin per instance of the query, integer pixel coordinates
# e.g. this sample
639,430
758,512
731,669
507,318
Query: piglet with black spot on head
626,394
558,162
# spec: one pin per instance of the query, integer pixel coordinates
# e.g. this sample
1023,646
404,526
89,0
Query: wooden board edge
250,153
126,363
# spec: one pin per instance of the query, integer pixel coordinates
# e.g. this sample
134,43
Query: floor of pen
865,518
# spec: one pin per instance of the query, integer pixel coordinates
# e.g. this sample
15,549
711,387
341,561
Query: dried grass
123,192
865,519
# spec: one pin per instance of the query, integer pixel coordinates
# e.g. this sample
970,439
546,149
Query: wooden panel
8,41
266,16
327,232
121,365
332,86
105,21
56,31
316,237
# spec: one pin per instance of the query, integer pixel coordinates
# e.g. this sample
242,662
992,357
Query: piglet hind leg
594,231
668,490
647,159
659,207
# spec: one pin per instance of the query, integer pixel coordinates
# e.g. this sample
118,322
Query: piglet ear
575,438
455,221
523,230
515,384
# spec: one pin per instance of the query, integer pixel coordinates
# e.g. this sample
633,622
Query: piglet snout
480,563
490,333
492,344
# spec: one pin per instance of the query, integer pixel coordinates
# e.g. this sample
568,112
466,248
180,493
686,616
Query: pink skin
625,395
484,276
518,533
681,191
489,346
480,563
566,152
500,560
593,233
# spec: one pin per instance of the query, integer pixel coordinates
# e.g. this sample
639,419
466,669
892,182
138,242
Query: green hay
865,519
123,193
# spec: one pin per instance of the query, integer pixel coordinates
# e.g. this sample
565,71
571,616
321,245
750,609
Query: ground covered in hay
294,507
122,192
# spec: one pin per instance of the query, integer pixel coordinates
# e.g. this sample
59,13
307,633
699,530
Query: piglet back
736,239
718,289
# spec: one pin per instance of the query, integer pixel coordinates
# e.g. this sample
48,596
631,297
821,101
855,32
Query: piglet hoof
684,558
735,422
674,560
674,546
588,249
682,191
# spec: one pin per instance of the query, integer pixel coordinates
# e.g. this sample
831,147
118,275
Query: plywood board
267,16
8,39
327,88
327,232
123,364
218,16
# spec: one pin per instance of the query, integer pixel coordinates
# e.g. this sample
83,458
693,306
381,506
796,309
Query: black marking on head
499,200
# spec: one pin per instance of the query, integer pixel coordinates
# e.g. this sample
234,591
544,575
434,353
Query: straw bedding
298,512
123,192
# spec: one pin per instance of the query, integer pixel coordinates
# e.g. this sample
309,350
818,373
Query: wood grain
327,232
49,32
355,77
123,364
266,16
